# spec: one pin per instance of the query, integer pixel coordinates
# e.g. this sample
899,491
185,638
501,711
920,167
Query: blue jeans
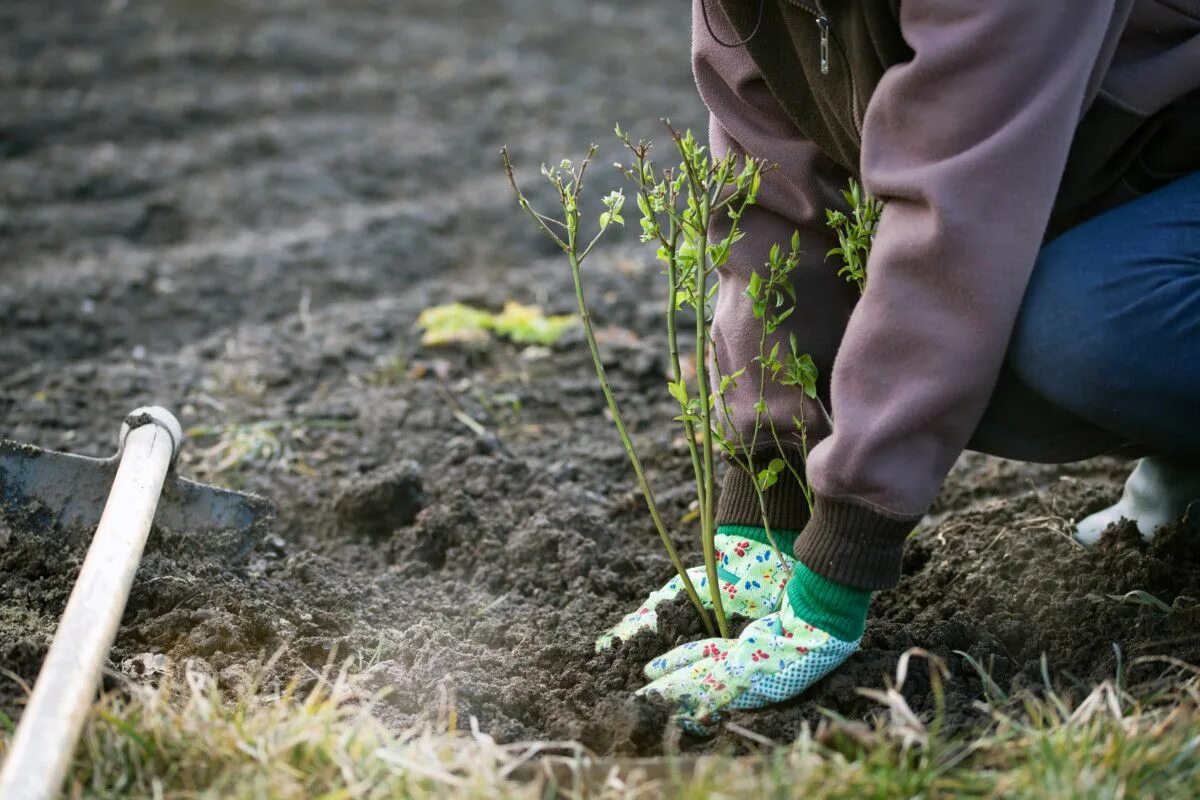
1105,355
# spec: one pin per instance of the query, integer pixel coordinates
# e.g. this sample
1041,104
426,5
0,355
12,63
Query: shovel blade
215,520
63,495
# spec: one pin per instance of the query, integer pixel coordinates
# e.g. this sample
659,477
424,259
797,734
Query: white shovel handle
66,686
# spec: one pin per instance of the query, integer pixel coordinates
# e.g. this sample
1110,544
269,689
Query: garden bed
241,215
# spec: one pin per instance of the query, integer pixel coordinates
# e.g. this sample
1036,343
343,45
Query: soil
237,210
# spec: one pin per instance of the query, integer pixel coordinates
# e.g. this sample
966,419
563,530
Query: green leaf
1142,598
755,285
777,465
643,206
718,254
678,390
454,323
802,372
528,325
649,229
730,381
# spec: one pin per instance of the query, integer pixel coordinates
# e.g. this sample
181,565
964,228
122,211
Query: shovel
65,496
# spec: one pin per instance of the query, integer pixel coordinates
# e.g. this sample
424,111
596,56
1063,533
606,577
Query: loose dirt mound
240,216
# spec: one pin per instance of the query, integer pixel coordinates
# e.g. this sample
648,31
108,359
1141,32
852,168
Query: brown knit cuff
787,510
853,544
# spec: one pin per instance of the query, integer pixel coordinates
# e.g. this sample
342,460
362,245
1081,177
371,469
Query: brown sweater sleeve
966,145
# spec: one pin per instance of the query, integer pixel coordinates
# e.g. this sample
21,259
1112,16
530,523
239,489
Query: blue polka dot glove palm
753,576
776,658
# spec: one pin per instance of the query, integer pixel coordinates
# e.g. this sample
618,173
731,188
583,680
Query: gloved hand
776,658
752,580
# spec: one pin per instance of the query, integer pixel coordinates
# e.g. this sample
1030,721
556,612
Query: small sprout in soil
1140,597
503,407
387,370
991,690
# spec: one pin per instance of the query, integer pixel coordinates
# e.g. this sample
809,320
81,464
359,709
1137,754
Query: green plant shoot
855,232
566,232
691,212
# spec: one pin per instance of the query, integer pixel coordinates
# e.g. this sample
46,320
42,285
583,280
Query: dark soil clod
378,503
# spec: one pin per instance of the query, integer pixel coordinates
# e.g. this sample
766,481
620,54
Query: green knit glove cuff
833,607
785,540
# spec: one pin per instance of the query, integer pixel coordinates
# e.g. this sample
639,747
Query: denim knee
1060,346
1109,328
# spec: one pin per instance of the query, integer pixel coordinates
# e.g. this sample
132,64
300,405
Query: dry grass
226,452
187,739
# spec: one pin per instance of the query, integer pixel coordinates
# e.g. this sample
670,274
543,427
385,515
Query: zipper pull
823,24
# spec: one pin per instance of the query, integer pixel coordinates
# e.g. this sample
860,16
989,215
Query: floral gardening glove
752,580
776,658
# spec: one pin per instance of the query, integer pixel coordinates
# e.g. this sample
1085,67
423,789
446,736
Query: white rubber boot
1157,492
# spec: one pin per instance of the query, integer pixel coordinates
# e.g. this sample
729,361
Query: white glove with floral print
753,577
776,658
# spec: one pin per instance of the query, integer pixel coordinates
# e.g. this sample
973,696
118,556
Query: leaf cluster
855,232
691,211
773,300
678,205
458,323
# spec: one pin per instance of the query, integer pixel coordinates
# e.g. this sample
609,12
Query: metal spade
68,498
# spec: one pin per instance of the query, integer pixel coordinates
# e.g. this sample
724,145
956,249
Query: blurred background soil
238,210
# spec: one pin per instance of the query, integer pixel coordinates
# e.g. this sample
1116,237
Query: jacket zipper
823,24
825,33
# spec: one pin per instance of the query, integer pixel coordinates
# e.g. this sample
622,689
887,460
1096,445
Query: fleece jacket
985,128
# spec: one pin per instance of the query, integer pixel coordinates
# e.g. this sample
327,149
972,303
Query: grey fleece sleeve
966,144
